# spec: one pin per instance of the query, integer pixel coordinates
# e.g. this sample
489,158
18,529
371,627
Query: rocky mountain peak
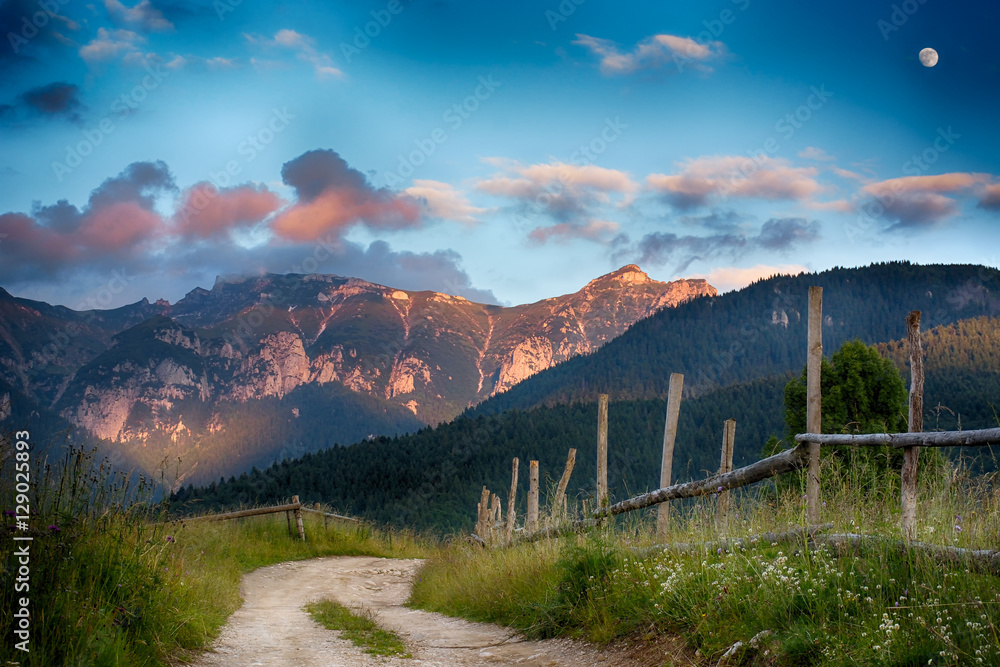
630,274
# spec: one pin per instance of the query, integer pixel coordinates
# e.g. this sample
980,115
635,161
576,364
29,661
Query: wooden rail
294,508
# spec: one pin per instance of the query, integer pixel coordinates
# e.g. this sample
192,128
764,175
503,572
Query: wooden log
558,504
494,517
298,518
532,524
602,450
799,534
725,466
916,424
331,515
482,513
782,462
814,397
511,498
985,436
243,513
667,462
984,561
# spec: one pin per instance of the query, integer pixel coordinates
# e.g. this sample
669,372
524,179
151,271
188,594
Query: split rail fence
291,510
805,455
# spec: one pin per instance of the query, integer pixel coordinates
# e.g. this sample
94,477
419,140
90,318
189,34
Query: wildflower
170,538
54,528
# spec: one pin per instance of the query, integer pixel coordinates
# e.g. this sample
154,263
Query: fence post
495,512
298,519
916,421
532,524
814,397
667,462
602,450
726,465
482,513
511,515
557,503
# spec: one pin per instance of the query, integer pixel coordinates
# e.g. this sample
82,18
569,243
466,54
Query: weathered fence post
511,515
482,513
558,503
725,465
532,524
495,512
667,463
814,397
602,450
298,519
916,421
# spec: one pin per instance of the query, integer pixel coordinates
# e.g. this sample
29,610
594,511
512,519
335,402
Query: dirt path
272,630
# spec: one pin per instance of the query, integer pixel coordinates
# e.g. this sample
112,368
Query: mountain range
261,368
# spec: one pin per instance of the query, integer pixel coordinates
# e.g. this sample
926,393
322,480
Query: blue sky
505,152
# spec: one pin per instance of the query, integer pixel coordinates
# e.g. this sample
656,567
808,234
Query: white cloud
443,201
652,53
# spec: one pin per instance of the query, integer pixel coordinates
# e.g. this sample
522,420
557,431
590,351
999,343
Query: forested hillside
760,331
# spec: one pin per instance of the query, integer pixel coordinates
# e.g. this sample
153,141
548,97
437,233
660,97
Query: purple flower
720,489
170,538
719,551
54,529
958,528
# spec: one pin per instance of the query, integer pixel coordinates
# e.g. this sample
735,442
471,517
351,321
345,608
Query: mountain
433,478
178,381
759,331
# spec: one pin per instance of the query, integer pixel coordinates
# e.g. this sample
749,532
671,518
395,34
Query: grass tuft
359,627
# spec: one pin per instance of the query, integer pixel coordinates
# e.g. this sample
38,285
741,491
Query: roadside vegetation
113,582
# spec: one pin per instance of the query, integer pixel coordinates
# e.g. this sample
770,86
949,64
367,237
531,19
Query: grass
878,606
114,583
360,628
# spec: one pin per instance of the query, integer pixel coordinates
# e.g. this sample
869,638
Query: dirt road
272,630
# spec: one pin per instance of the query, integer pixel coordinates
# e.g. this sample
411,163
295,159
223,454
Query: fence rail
294,508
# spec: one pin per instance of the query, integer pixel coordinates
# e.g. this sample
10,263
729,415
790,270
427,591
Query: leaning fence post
916,421
298,518
511,515
726,465
558,504
814,397
602,450
532,523
667,462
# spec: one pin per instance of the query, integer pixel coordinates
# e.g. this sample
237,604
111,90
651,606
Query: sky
504,152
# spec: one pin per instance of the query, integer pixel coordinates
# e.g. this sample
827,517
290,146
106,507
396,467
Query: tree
862,393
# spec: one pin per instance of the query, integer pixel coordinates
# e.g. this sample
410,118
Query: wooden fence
293,509
805,454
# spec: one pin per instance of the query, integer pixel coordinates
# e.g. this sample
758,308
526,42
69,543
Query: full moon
928,57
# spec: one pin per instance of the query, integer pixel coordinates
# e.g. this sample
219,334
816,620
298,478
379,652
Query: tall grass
801,605
113,582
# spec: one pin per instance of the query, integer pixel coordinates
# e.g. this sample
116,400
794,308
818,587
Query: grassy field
113,583
787,604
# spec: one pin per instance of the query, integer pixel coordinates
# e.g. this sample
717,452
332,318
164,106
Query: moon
928,57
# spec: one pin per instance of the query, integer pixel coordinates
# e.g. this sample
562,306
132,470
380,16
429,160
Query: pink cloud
340,208
925,200
704,178
652,52
122,225
592,230
206,211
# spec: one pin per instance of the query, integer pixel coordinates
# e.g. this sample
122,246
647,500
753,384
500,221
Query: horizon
500,154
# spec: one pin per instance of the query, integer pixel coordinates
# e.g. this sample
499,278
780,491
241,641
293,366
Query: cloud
331,196
304,48
705,179
111,44
17,48
653,53
813,153
990,197
118,224
143,17
776,234
727,278
923,201
441,200
207,212
563,191
563,232
54,100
